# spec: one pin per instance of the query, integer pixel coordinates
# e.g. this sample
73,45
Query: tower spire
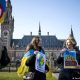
39,32
72,32
71,36
8,3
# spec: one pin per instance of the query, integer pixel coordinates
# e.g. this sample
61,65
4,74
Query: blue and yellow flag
2,10
70,60
24,69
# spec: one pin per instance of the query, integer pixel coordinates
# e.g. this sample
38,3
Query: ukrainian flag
22,69
2,10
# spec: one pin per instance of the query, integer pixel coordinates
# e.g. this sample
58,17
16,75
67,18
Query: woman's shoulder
41,49
29,47
29,50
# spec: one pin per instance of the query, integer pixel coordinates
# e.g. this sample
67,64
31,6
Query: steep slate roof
15,41
47,41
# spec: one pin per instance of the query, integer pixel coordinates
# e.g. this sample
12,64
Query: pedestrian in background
5,60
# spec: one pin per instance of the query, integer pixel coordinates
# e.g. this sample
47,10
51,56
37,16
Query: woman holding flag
33,64
69,61
36,61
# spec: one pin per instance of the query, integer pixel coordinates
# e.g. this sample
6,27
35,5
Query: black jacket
68,74
31,63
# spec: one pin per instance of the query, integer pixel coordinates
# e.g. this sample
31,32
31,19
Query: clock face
5,33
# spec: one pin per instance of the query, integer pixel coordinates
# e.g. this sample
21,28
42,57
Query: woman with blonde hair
36,61
33,64
69,59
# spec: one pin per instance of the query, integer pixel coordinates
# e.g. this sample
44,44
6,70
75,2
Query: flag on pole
2,10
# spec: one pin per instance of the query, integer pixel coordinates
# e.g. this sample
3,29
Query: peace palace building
17,47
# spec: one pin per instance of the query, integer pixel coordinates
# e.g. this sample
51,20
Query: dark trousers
66,75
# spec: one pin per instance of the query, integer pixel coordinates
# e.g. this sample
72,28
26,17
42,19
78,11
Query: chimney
31,33
48,33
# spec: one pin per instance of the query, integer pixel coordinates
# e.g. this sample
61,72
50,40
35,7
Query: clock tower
7,27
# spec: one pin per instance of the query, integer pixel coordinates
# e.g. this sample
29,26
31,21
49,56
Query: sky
55,17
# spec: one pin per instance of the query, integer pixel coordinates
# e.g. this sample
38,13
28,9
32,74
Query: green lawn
9,76
14,76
